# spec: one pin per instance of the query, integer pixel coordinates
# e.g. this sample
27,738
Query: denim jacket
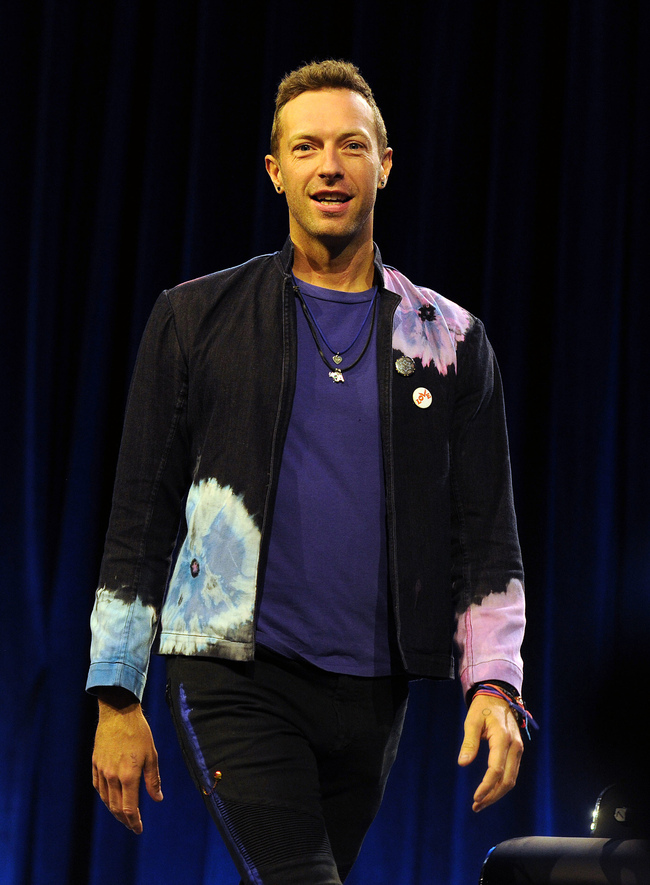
205,424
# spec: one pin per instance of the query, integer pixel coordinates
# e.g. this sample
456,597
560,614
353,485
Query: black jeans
292,761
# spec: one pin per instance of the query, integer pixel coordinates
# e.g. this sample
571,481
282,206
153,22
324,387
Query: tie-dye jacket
206,419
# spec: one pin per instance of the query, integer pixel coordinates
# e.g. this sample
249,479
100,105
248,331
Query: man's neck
350,270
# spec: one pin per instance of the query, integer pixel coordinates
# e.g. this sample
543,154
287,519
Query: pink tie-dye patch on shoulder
426,326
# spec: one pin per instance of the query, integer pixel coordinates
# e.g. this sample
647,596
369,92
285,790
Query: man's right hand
124,749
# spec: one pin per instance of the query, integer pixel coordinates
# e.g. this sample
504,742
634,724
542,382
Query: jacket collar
286,260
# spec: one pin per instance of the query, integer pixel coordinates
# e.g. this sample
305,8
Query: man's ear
386,166
274,171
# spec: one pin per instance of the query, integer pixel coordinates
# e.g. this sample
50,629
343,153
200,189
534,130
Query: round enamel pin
405,365
422,398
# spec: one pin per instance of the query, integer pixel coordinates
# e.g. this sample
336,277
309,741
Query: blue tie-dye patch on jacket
206,419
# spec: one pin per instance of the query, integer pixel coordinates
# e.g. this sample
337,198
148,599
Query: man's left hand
491,719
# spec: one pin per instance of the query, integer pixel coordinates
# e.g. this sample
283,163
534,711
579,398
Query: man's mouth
331,199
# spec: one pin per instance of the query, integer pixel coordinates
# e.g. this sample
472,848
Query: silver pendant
337,358
405,365
337,375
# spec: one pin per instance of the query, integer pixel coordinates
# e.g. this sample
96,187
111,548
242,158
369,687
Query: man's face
329,167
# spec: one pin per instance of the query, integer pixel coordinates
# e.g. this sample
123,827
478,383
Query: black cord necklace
336,371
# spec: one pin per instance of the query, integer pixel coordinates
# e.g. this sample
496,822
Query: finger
130,810
130,786
99,782
471,740
513,761
113,800
120,796
486,790
501,775
468,751
152,778
487,794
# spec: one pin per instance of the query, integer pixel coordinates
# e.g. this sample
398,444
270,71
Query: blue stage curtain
131,159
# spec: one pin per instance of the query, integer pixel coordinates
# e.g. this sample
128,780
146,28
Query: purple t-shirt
325,592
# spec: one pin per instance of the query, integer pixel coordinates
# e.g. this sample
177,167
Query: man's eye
303,147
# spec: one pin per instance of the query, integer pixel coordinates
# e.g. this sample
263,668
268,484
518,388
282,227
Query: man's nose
330,166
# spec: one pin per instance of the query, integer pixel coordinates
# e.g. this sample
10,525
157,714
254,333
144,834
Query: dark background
131,158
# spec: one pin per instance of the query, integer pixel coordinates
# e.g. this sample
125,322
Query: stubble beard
333,234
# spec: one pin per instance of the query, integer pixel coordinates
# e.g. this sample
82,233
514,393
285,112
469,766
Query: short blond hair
328,74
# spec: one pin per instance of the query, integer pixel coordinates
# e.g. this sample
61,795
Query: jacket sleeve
487,573
151,481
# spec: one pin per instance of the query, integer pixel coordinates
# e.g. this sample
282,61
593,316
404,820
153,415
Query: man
337,437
